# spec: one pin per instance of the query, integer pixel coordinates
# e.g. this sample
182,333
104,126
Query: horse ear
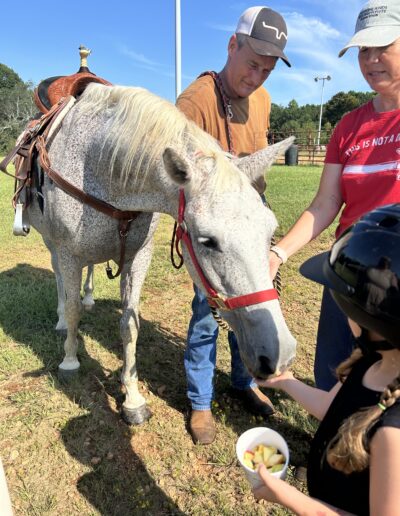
177,168
255,165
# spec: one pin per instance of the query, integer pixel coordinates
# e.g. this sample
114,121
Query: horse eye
209,242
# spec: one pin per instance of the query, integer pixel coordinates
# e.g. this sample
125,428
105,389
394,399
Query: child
354,461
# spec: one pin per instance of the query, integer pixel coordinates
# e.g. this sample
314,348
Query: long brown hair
349,450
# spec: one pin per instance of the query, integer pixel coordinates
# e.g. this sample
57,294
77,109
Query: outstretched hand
269,491
275,382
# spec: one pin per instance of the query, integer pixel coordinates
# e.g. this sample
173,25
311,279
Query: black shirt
347,492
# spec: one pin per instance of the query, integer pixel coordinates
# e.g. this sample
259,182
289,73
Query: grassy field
64,447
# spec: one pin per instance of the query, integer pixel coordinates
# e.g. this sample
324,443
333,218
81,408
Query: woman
362,168
354,460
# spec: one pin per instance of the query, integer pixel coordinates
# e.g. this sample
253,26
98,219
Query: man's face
246,70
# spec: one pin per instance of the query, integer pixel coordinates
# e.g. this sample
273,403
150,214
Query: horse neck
156,193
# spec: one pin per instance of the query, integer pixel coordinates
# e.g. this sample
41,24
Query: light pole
323,79
178,68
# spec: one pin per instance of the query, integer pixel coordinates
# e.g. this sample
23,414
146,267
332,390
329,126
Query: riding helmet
362,270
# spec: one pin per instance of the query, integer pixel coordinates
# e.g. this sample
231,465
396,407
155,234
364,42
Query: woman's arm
385,472
315,401
317,217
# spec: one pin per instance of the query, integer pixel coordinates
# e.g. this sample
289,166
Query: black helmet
363,272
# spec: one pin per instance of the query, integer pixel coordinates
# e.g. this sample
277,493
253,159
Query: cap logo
372,12
279,35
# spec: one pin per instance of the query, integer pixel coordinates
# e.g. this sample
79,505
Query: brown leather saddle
50,96
51,90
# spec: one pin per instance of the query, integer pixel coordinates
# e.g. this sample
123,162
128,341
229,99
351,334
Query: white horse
137,151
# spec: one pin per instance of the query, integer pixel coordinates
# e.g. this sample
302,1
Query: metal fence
308,150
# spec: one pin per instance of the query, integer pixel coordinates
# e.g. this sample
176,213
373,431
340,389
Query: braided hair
349,450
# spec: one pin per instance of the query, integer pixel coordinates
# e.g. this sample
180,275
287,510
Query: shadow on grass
119,484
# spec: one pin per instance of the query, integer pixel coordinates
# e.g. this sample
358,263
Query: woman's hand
274,264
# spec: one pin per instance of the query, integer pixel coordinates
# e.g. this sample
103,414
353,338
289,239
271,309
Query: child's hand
276,381
270,489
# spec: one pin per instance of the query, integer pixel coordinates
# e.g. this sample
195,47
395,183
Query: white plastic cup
252,438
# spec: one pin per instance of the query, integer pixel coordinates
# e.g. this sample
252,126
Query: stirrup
20,228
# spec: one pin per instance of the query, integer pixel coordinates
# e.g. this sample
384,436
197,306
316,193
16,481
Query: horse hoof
136,416
88,305
67,375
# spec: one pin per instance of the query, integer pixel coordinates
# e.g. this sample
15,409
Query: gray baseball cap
378,25
266,31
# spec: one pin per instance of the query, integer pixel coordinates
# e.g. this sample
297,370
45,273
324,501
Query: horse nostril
265,366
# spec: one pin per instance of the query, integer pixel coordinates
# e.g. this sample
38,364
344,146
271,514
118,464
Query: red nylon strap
214,299
248,299
186,238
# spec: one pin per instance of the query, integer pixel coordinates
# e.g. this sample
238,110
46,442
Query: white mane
140,125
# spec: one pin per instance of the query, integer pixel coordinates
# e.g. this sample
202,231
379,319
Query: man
234,108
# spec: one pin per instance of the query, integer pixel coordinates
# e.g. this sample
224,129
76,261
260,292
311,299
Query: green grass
64,447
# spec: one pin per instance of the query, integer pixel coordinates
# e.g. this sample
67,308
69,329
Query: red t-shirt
367,145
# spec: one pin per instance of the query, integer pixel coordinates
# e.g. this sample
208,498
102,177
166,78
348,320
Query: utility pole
178,78
323,79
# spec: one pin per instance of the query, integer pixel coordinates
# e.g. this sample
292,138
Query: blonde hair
140,125
349,450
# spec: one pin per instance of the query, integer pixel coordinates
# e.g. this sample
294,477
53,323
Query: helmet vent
389,222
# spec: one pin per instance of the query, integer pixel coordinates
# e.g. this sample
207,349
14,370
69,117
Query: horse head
229,229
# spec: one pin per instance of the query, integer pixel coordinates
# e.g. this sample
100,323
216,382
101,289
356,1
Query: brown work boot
202,427
254,401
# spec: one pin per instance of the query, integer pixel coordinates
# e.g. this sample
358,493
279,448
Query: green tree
342,103
303,121
16,106
8,78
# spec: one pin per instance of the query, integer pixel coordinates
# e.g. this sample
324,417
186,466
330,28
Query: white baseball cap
378,25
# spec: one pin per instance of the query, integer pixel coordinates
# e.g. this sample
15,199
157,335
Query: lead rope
226,102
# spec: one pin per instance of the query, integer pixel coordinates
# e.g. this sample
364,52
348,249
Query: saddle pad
60,117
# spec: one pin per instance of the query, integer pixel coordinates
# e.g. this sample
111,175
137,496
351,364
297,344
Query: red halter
214,299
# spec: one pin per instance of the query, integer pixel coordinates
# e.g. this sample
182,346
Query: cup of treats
262,445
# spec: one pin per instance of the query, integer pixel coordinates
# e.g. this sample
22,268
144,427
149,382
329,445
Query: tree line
17,108
303,121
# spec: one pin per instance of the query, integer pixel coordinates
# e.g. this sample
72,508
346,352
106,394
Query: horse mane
140,125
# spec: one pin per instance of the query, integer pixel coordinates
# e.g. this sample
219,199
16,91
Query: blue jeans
335,342
201,354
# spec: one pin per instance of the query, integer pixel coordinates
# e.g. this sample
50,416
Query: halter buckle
217,302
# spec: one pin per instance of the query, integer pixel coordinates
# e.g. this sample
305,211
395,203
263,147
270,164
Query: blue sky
133,42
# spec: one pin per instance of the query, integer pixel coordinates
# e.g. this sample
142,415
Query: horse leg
88,301
61,325
134,408
72,276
